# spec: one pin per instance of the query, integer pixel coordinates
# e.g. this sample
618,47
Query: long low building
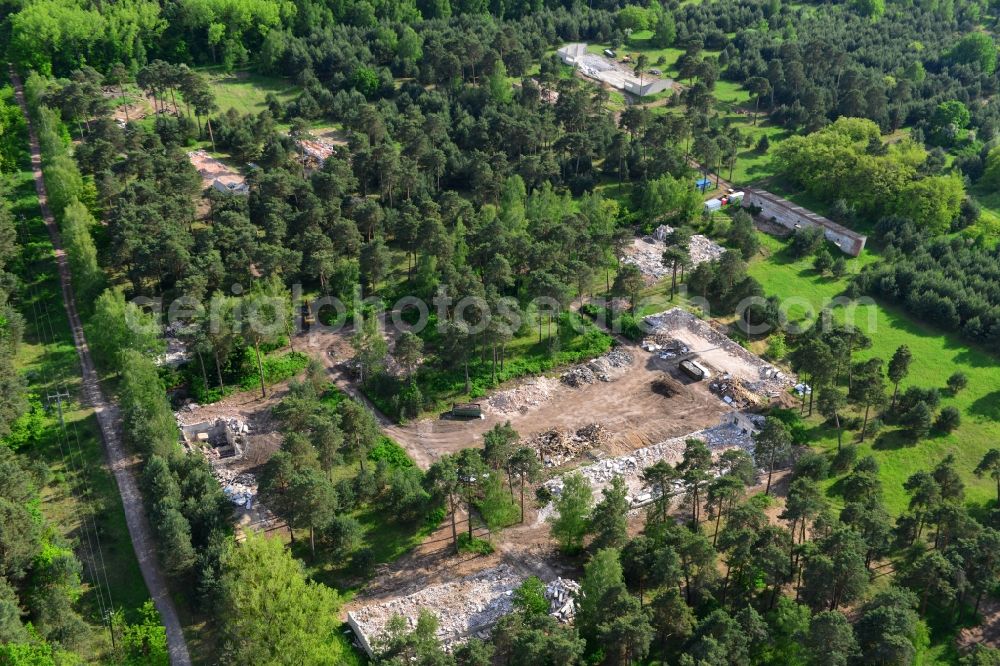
792,216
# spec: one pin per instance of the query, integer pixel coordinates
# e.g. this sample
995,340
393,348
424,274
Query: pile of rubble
735,430
521,398
176,352
601,368
464,608
579,375
562,594
771,381
734,393
664,346
647,252
559,445
236,425
239,487
700,249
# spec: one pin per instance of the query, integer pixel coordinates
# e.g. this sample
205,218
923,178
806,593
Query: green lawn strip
753,165
936,356
81,489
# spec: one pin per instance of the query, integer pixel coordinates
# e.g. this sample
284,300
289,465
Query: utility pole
58,397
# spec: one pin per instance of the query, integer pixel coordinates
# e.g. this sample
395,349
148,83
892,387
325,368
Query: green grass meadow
936,355
245,91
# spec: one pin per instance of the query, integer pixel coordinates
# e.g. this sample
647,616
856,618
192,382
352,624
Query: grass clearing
936,355
245,91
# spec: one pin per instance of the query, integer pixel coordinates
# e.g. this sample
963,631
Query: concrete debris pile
464,608
579,375
664,346
700,249
772,381
521,398
562,594
768,381
732,432
239,487
236,425
647,253
176,352
558,445
601,368
734,393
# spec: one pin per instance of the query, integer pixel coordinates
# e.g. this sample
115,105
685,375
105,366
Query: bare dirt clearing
633,409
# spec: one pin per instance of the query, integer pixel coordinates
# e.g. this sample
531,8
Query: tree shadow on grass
974,358
837,488
892,441
982,511
988,406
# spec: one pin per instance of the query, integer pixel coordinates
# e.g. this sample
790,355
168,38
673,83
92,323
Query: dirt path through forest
123,465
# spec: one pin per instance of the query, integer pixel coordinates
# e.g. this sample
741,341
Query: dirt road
123,465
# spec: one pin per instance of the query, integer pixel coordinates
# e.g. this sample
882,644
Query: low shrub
474,545
276,369
796,425
844,459
391,453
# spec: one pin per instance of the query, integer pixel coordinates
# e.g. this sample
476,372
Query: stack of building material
562,594
558,446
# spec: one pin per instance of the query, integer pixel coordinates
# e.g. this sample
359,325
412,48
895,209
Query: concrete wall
569,53
649,86
360,635
792,216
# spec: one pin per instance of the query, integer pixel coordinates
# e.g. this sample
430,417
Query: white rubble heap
239,488
522,397
562,593
771,381
600,368
464,608
176,353
647,252
731,433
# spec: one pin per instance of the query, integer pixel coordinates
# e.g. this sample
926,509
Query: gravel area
530,393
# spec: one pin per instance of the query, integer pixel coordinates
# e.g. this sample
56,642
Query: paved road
122,464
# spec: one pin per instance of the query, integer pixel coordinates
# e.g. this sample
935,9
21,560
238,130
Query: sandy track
123,465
